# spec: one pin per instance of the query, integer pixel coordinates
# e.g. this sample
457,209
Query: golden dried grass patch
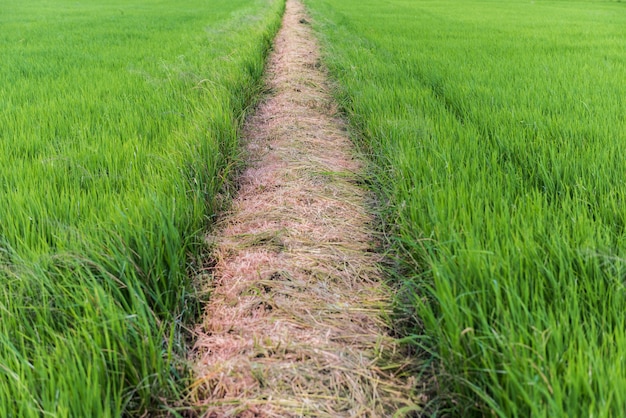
297,320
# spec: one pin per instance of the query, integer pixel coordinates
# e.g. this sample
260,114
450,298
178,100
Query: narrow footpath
297,319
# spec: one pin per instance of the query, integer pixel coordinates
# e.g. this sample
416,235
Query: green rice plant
118,127
496,133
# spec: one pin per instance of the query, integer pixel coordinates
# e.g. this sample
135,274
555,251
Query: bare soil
297,323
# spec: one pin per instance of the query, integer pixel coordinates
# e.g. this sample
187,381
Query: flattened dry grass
297,321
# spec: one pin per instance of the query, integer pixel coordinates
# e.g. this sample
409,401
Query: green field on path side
118,126
497,137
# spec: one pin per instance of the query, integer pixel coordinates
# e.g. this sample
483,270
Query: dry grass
296,324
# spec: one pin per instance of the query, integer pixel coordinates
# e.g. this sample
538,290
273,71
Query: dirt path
296,320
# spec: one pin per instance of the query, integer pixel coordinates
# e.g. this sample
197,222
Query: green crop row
497,132
118,126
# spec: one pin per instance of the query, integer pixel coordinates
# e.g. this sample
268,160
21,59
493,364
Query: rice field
496,135
495,132
118,127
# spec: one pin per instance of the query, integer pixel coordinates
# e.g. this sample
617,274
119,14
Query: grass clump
496,134
118,126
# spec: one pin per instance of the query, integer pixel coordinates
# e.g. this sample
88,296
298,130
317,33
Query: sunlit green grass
118,126
497,132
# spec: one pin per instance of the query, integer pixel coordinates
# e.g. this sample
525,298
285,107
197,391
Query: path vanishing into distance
297,322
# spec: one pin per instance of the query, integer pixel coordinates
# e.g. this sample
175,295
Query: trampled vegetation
118,124
497,132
